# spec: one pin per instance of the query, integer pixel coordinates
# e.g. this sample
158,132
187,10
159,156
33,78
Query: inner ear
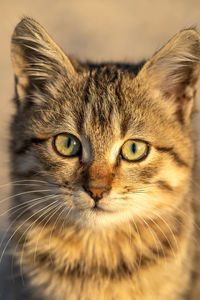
173,73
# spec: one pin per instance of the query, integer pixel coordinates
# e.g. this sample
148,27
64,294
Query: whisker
152,231
161,218
170,205
39,201
50,217
10,183
180,211
48,208
24,193
62,211
163,233
14,223
21,205
140,255
64,220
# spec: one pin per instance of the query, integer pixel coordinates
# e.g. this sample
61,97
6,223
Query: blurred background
106,30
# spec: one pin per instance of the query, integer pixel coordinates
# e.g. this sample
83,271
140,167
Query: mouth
96,208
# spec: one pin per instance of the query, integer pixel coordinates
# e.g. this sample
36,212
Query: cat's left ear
38,61
173,73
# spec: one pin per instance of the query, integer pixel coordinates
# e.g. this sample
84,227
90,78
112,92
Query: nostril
97,192
96,198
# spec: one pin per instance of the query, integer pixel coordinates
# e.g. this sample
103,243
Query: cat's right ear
172,75
37,59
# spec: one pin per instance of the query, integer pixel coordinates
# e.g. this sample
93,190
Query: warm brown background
122,30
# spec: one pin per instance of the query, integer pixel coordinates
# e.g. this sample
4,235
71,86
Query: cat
102,158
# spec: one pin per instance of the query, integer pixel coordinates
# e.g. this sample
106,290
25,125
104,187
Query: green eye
134,150
67,145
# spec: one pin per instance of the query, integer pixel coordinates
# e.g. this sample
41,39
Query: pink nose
97,192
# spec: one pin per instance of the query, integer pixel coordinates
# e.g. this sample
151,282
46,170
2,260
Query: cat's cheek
132,173
65,171
175,176
27,163
156,202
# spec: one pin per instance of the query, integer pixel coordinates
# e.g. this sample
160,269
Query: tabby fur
140,243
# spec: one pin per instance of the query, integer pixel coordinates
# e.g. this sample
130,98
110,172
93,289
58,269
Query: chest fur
138,262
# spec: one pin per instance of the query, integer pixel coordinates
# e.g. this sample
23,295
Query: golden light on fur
115,220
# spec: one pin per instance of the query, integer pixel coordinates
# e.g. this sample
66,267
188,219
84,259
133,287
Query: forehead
105,104
113,100
119,107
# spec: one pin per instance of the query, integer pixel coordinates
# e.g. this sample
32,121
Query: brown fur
134,244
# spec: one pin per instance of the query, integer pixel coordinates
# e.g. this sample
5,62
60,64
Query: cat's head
108,146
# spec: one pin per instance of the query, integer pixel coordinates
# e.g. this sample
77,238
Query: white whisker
20,226
24,193
48,208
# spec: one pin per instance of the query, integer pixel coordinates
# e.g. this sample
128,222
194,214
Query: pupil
68,142
133,148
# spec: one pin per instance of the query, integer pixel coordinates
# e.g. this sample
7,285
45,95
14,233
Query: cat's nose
97,192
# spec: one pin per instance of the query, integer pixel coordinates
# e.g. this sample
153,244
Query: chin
99,218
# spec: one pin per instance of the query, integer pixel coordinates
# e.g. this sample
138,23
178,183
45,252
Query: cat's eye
134,150
67,145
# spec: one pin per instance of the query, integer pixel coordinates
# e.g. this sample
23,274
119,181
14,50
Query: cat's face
111,146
